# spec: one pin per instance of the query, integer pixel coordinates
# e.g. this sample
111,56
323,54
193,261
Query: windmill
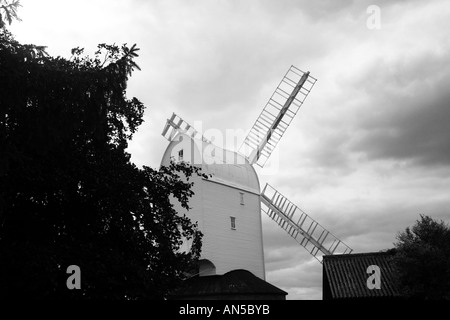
228,206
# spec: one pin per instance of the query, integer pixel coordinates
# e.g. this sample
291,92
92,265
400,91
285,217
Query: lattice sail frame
277,115
306,231
176,124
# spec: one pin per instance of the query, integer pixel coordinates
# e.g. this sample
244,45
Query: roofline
281,293
378,253
213,179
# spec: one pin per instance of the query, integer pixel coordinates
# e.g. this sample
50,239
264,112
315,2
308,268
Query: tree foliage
8,11
423,260
69,194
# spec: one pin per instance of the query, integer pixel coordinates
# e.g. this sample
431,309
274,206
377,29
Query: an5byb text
228,309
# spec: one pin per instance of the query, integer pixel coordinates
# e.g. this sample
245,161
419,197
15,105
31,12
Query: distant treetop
8,11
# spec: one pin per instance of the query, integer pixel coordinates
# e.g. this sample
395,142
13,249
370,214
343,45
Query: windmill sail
305,230
176,124
276,116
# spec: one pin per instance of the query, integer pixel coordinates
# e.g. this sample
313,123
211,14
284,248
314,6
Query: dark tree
69,194
423,260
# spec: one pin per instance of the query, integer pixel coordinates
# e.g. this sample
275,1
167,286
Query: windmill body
228,205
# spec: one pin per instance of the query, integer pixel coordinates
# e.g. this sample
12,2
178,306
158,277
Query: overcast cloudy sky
369,150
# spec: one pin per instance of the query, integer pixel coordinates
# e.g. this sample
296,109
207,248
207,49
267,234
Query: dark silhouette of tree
423,260
69,194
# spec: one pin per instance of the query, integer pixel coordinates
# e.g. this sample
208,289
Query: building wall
215,201
230,249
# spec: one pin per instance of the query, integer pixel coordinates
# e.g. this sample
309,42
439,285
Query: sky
368,152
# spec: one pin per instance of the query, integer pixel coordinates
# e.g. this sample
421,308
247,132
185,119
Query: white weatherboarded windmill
228,205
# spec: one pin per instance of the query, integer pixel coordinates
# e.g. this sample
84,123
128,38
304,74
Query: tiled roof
345,276
240,282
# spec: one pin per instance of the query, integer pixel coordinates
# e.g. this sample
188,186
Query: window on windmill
233,223
180,155
241,195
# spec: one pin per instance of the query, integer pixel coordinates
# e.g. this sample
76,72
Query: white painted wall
215,201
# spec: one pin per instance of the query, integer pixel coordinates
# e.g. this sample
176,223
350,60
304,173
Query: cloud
414,124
